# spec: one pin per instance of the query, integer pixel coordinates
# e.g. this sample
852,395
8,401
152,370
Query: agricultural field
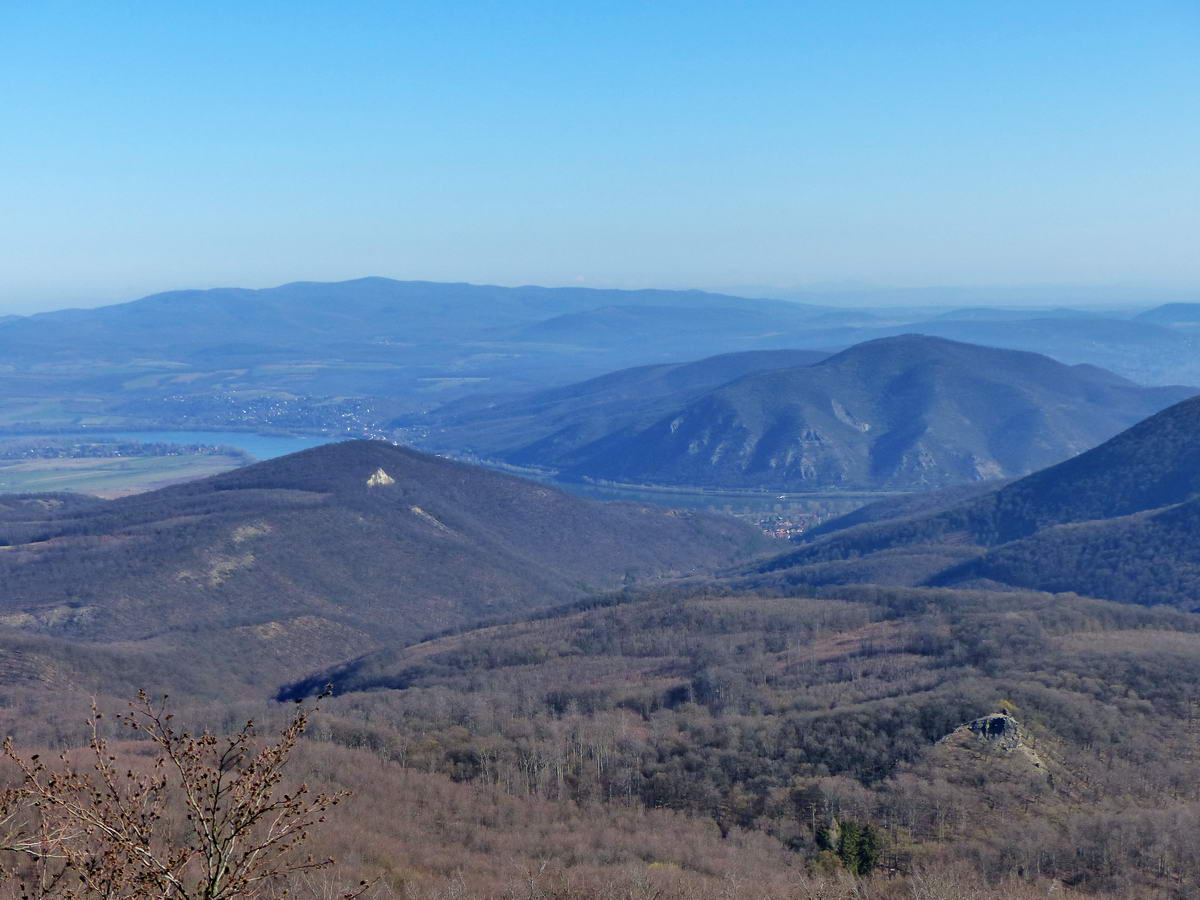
110,477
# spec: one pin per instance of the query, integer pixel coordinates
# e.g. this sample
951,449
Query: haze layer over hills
201,357
347,357
315,314
903,413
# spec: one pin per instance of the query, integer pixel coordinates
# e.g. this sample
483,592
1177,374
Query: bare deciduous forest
704,741
599,451
735,732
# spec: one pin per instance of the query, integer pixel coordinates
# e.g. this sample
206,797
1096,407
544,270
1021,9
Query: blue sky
150,146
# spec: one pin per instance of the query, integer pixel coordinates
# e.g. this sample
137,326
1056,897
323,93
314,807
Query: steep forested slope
542,428
328,551
905,506
899,413
1119,521
1147,558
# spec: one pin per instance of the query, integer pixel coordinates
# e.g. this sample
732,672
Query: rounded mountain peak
918,348
339,467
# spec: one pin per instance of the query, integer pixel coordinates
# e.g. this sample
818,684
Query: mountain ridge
1117,522
537,428
340,310
316,548
908,412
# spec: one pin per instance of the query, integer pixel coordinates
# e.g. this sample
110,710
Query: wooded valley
984,685
740,728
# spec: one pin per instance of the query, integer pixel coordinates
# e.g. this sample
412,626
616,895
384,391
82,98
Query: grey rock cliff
999,730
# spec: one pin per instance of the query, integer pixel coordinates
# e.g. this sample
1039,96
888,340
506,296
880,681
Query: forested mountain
1117,522
1023,740
998,314
628,702
903,506
324,553
900,413
789,713
543,428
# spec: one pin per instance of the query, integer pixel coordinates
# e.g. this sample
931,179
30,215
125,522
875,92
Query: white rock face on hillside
379,478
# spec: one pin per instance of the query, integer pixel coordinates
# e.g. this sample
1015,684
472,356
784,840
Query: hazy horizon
679,145
1097,297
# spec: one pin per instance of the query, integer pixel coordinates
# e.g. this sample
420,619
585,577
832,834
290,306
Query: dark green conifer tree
849,847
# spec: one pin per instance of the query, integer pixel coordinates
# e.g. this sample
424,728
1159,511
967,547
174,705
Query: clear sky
146,146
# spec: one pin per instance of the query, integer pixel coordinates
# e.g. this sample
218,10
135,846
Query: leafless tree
209,819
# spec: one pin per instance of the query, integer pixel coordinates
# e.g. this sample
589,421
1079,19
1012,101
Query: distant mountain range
308,314
348,356
1173,315
1118,522
320,555
1029,297
332,356
902,413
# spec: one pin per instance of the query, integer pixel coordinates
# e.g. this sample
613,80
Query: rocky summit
1000,730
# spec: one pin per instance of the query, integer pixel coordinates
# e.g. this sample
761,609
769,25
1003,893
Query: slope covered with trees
545,427
796,715
326,552
583,725
902,413
1117,522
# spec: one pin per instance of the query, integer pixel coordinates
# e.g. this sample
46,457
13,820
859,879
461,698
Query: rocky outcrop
380,478
999,734
1000,730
